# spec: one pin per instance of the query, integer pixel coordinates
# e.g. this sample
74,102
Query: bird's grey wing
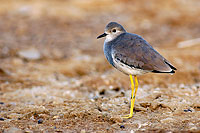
134,51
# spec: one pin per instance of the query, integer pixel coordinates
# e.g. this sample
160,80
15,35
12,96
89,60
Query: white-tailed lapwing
132,55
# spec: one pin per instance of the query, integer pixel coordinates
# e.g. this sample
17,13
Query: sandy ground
55,78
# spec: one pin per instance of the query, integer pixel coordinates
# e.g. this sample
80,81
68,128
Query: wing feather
134,51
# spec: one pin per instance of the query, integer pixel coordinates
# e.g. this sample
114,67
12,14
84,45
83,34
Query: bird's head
112,30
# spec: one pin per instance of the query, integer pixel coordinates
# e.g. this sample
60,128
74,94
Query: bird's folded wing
135,52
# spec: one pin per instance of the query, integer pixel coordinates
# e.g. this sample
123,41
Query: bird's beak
102,35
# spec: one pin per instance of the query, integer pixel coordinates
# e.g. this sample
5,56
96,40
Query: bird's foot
127,116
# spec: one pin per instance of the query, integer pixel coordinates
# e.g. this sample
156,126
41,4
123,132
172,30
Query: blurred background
74,24
49,54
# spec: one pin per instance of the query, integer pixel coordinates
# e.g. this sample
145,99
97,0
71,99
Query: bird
132,55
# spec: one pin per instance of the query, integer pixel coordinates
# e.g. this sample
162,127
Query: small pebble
116,89
167,120
30,54
102,92
100,110
56,117
2,119
95,98
187,110
40,121
122,126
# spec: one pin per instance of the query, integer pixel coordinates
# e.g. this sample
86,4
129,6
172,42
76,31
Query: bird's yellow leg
136,88
132,97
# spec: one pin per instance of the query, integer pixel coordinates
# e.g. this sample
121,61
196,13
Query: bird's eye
114,30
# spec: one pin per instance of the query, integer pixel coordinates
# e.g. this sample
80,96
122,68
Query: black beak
102,35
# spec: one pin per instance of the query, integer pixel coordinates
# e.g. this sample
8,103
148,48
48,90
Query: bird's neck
109,38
